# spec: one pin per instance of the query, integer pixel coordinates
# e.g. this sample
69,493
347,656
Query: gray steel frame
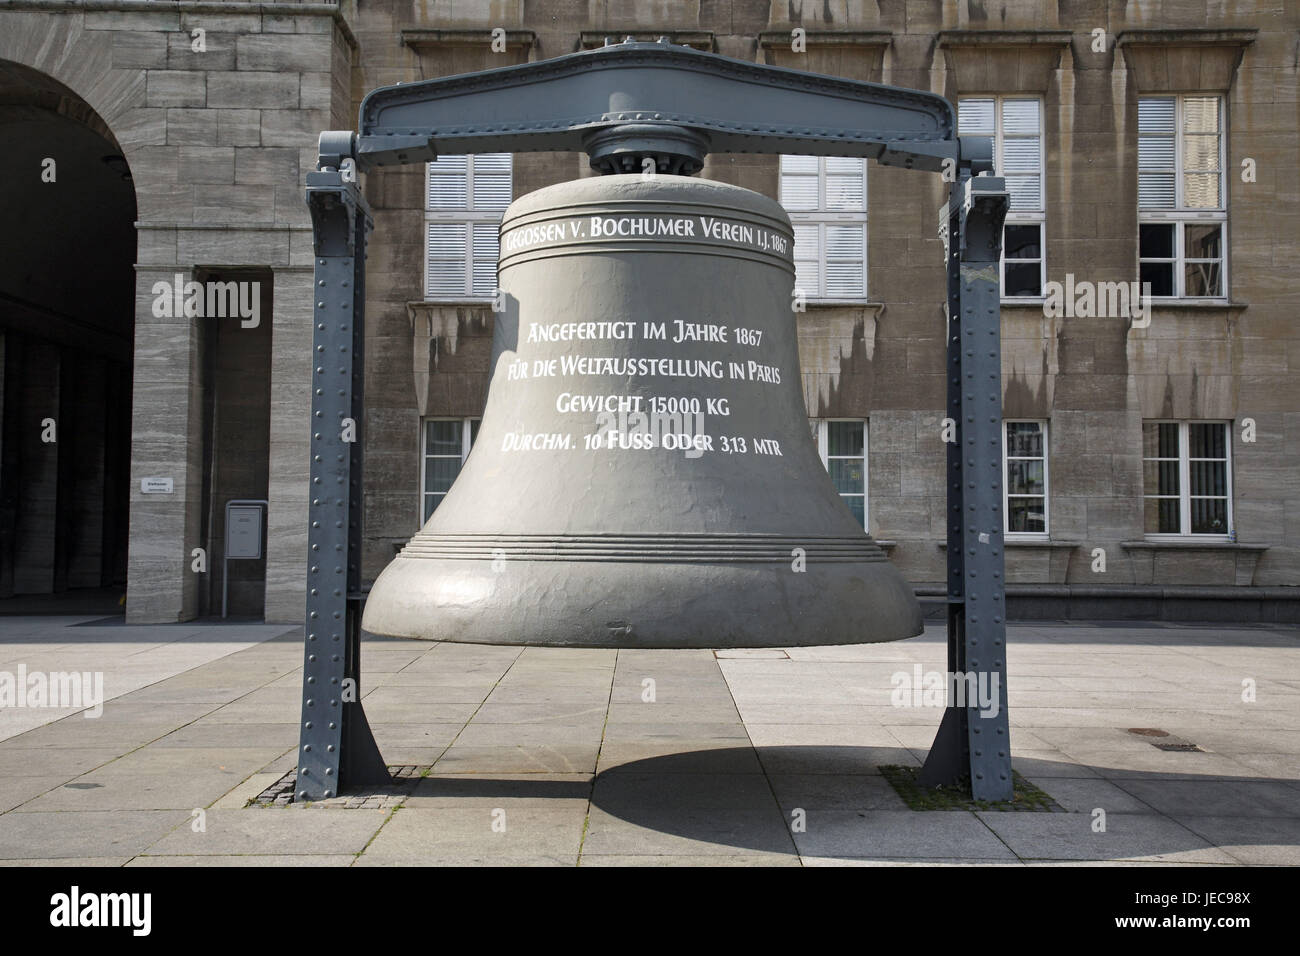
628,105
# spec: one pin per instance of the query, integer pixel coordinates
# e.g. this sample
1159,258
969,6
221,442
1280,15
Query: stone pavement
602,757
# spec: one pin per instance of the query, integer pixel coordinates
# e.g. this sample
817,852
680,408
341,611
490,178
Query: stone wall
218,143
217,140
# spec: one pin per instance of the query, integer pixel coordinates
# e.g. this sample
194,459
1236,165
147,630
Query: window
826,197
1024,477
1016,124
466,196
1186,481
446,446
843,447
1182,215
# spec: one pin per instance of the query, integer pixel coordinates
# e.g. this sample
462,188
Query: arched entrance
67,287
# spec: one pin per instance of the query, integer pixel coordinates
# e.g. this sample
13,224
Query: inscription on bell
713,229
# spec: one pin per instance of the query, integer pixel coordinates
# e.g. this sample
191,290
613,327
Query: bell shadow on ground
832,802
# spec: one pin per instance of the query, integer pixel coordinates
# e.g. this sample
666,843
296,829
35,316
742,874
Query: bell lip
665,607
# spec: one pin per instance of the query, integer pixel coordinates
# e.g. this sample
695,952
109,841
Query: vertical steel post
336,747
974,737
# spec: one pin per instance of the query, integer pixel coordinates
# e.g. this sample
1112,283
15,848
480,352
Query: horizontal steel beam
655,99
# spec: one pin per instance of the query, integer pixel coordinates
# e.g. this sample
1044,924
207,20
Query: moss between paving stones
1025,796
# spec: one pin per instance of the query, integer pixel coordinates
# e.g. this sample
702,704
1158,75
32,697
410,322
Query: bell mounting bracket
657,108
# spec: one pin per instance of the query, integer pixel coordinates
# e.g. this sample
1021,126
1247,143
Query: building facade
1151,442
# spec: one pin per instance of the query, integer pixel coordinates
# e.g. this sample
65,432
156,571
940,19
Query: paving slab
686,832
271,830
900,833
559,757
680,729
464,791
395,695
282,860
412,734
1071,836
116,790
830,760
487,834
826,791
67,762
900,861
206,735
1085,794
627,794
679,859
1161,765
1280,766
1252,840
60,835
549,733
72,861
16,791
78,734
1216,798
687,755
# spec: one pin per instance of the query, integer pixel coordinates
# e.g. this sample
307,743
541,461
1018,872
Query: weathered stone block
208,51
191,127
132,50
206,164
293,127
233,246
247,90
176,88
268,166
234,204
279,53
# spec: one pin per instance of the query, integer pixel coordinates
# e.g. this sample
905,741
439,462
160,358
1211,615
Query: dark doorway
67,301
237,431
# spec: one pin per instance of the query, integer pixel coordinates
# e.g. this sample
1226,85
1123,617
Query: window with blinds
1182,214
1186,478
1016,125
446,443
1024,477
466,196
842,444
826,197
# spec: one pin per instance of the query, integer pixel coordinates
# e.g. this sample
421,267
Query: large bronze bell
644,474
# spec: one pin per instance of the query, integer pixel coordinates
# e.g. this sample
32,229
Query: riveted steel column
336,748
983,633
973,737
